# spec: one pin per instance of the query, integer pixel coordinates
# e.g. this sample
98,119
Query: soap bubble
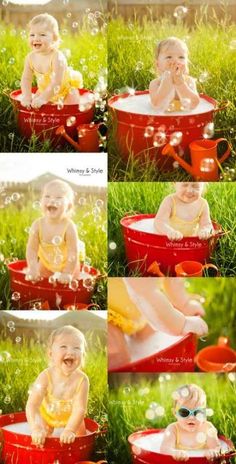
232,45
36,205
209,412
203,77
15,196
185,104
175,165
7,400
207,165
139,66
60,105
11,135
200,416
184,392
208,130
57,240
175,396
71,121
74,285
56,89
18,339
211,432
180,12
5,2
153,405
160,411
94,31
201,437
82,201
232,377
149,131
99,203
64,31
75,24
176,138
51,279
15,296
11,60
88,283
143,391
159,139
10,324
68,15
112,245
150,414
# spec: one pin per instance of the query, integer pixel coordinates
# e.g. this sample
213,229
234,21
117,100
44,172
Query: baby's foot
196,325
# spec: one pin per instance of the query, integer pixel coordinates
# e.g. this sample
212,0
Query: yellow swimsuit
187,228
178,445
71,79
54,256
54,411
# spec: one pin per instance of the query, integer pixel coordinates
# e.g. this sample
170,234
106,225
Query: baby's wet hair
189,393
49,20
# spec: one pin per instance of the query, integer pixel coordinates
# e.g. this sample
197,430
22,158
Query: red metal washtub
144,248
55,295
143,454
179,357
130,126
18,449
44,121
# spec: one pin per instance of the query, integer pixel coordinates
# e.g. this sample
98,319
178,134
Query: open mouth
52,209
37,45
68,362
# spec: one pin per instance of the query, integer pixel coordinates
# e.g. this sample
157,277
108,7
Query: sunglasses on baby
185,412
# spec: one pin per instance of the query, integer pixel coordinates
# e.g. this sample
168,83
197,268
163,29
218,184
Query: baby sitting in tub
56,82
184,213
53,247
58,398
174,89
138,307
191,431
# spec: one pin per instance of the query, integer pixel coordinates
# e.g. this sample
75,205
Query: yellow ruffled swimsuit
187,228
71,79
54,411
178,445
54,256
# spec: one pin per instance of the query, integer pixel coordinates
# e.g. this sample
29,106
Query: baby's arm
205,224
213,443
34,418
161,221
162,91
79,409
32,252
186,89
26,83
189,304
59,69
168,445
72,254
159,312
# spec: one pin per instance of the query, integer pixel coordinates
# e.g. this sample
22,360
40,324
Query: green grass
131,63
22,362
17,218
88,54
136,197
128,402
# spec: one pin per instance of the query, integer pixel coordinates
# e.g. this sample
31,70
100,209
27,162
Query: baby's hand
196,325
38,101
204,233
193,307
32,275
64,278
180,455
26,102
211,454
38,436
67,436
174,235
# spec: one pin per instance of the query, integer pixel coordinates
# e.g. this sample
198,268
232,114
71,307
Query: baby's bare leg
73,98
118,353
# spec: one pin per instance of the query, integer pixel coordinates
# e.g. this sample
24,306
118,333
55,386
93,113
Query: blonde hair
49,20
189,393
165,43
68,330
65,188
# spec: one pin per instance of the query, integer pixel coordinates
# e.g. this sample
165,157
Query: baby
56,82
191,431
184,213
174,90
137,307
60,393
53,247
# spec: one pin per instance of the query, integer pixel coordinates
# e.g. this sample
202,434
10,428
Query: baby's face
190,416
188,192
41,39
172,54
66,352
55,202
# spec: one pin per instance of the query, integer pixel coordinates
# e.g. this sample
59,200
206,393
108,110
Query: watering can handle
227,153
211,266
221,106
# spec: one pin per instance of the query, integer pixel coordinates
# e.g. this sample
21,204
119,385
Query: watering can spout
154,269
61,131
170,151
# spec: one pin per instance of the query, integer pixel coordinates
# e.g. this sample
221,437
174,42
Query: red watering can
88,137
217,358
183,269
204,158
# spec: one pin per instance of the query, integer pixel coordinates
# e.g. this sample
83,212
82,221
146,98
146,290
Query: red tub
56,295
130,125
18,449
179,357
143,454
143,248
44,121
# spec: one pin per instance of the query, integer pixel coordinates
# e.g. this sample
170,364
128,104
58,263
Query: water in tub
23,428
152,442
140,349
141,104
144,225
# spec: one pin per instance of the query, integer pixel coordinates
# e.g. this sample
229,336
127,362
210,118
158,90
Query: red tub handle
222,106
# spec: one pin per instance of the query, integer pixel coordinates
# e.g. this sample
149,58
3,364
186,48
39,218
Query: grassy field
16,219
131,396
131,64
20,364
133,197
85,52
